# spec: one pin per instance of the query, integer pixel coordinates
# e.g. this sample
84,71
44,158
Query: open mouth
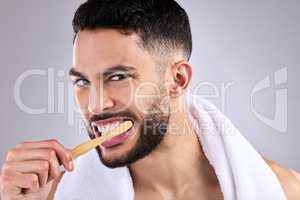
102,127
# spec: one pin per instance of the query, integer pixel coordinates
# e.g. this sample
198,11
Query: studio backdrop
245,60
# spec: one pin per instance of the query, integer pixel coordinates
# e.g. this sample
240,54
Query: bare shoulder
289,179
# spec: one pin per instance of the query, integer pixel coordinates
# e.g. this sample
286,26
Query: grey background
234,41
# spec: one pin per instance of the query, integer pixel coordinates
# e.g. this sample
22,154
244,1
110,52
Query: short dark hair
159,23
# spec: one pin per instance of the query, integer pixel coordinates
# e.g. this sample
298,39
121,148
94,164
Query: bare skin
31,168
166,167
289,179
176,169
180,169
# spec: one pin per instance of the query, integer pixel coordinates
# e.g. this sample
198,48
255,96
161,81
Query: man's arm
289,179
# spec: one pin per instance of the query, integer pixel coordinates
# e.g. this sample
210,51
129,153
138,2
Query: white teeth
104,129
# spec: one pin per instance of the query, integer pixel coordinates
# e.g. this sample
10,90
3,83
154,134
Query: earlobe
175,91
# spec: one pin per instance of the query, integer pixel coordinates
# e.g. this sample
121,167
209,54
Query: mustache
103,116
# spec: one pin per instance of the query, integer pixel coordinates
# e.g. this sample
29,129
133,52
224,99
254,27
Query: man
130,62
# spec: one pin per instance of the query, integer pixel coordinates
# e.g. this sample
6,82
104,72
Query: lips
117,140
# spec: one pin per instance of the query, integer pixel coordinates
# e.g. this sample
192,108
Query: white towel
241,171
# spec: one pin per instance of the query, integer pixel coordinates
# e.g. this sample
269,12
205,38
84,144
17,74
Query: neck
177,163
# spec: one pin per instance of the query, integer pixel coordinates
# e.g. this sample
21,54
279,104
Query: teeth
104,129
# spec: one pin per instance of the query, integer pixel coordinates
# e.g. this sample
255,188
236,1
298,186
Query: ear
181,77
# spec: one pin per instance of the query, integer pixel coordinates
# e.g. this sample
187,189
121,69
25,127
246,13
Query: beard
151,132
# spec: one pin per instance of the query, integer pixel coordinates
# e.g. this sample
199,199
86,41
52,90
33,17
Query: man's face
116,80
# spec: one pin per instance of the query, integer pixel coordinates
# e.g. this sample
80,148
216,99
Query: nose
99,101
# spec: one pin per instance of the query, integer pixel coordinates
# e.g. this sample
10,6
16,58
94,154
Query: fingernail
71,166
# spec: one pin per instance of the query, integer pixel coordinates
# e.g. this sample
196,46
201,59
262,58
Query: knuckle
6,168
5,181
53,143
51,154
45,166
33,179
56,174
20,145
11,154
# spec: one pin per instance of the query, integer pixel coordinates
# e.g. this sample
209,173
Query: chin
119,155
115,159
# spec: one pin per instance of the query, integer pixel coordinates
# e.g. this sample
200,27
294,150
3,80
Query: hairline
160,55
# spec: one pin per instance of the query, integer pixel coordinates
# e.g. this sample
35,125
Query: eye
81,82
118,77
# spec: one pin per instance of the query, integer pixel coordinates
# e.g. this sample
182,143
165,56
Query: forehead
107,47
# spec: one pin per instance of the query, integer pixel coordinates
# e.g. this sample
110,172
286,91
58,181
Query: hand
31,168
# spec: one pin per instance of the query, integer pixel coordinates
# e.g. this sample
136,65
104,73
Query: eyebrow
111,70
74,72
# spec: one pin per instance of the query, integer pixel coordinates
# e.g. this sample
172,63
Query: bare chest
214,194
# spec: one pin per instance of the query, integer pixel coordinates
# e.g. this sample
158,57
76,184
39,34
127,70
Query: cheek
123,93
82,99
146,95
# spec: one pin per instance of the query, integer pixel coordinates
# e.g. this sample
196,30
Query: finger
39,167
18,155
64,154
13,184
8,188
